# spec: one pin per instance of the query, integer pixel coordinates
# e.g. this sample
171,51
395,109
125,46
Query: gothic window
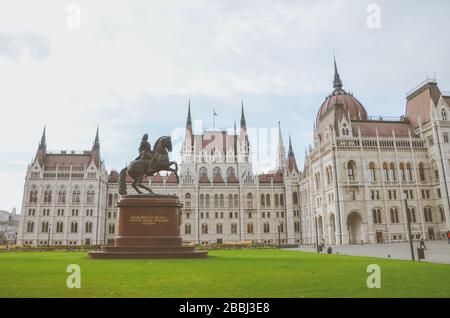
59,227
88,228
111,228
202,200
428,214
216,200
412,214
394,215
277,199
263,200
442,213
376,216
266,228
236,200
76,195
204,228
33,195
30,227
219,228
44,228
345,130
187,228
74,227
110,200
422,171
230,200
281,199
409,171
249,201
250,228
392,171
402,172
217,172
187,200
294,198
233,228
444,114
268,200
351,170
231,172
207,201
435,170
221,201
386,171
203,172
372,175
90,196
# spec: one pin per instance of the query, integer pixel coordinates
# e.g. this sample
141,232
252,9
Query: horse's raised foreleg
134,185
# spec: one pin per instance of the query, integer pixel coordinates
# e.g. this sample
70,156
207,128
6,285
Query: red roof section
350,105
385,128
172,178
218,179
232,179
204,179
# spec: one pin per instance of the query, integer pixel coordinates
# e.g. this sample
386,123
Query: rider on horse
145,151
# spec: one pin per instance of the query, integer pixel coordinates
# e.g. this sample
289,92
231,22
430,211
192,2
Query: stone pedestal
148,227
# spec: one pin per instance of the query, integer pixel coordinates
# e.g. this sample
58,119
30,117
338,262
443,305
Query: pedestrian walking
422,242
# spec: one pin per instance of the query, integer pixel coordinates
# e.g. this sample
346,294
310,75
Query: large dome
351,106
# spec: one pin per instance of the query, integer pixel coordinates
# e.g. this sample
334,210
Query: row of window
62,196
46,227
60,212
234,227
394,215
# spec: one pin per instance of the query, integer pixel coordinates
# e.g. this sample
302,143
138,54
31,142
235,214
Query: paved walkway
436,252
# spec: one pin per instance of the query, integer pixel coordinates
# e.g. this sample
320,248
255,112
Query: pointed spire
189,119
291,151
281,153
243,124
337,84
96,140
43,142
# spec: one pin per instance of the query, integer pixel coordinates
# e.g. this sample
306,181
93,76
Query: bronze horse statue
137,169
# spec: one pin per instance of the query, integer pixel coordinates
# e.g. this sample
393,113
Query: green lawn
242,273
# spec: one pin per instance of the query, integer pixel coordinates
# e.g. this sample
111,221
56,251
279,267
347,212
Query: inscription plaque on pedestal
148,227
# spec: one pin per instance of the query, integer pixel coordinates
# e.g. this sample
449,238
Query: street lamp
408,222
49,232
279,234
317,233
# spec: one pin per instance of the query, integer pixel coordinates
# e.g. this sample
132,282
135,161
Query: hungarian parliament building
364,181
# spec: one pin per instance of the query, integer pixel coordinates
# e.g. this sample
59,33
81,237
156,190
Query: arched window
268,200
203,172
44,228
111,228
219,228
221,200
207,201
386,172
294,198
216,200
76,195
281,199
110,200
266,227
233,228
74,227
392,171
345,130
90,196
217,172
231,172
372,173
202,200
376,216
442,213
277,199
62,196
33,195
204,228
236,200
394,215
249,201
428,215
435,170
59,227
88,227
412,214
351,170
250,228
263,200
30,227
402,172
409,171
230,200
187,200
422,171
444,114
187,228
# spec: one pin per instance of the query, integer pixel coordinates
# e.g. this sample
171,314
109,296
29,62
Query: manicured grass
241,273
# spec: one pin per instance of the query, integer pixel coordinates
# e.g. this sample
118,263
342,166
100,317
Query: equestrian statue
148,163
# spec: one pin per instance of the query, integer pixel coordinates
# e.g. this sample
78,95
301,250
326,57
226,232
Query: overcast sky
131,66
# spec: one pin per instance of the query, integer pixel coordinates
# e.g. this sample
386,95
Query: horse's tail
122,181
